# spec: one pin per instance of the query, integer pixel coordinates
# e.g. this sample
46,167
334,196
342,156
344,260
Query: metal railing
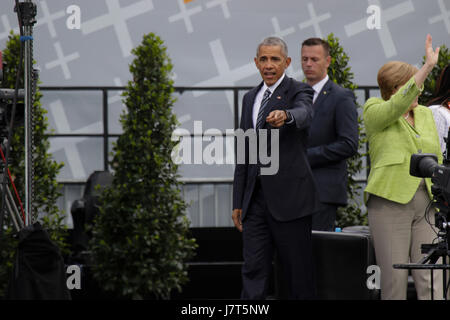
106,135
189,182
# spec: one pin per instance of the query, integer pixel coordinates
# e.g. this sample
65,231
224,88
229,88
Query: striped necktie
265,99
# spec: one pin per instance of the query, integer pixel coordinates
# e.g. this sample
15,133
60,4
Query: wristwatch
288,116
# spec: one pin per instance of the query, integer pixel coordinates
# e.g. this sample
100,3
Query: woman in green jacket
398,127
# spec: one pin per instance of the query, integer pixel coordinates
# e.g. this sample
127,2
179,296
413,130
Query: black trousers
324,218
262,234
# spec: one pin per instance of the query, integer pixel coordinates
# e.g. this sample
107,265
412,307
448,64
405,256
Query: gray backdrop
211,43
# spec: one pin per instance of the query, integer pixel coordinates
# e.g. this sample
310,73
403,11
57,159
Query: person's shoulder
373,101
340,90
425,112
296,85
253,90
438,110
294,82
423,108
434,107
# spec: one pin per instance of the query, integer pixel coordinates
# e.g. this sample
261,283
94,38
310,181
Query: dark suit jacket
333,137
290,193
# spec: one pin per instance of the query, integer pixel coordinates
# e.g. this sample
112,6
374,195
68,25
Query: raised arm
431,58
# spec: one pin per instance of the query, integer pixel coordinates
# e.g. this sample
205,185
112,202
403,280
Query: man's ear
288,62
328,61
256,61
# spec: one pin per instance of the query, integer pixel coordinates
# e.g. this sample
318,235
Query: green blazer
392,141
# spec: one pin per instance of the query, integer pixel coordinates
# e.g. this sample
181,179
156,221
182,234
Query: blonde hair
392,76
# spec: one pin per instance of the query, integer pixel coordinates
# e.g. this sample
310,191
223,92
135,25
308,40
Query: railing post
105,129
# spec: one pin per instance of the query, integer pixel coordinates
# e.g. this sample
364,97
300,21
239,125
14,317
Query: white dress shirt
318,87
259,97
441,116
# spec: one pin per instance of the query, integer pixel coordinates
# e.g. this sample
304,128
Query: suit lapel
324,93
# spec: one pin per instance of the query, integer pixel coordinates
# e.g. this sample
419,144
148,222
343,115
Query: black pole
105,130
29,11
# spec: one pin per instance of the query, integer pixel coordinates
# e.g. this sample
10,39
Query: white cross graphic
118,96
281,33
445,16
117,17
315,20
181,120
226,77
384,34
223,4
70,145
185,14
47,18
7,27
62,60
184,118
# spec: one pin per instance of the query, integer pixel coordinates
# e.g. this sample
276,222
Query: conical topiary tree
47,189
339,71
140,237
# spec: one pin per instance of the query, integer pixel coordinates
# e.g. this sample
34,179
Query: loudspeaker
341,260
215,271
340,263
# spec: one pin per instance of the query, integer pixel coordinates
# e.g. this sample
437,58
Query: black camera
425,165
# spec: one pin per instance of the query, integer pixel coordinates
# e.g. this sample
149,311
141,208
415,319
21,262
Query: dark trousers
292,240
324,218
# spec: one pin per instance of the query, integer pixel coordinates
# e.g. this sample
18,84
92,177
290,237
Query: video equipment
425,165
18,114
39,271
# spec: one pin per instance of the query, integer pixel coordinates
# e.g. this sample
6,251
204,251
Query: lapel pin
279,97
324,92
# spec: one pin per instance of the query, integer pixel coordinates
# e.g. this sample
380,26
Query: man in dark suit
273,211
333,134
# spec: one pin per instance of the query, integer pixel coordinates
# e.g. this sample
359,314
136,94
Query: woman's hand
431,58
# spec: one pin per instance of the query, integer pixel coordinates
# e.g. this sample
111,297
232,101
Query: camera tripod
428,262
26,12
